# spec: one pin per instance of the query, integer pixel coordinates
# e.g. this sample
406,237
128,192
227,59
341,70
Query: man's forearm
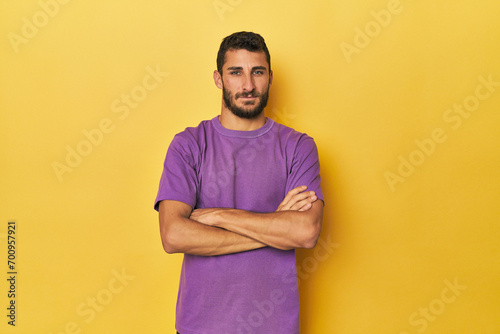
193,238
180,234
282,229
296,224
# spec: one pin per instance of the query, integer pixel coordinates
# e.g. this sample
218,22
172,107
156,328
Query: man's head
244,74
242,40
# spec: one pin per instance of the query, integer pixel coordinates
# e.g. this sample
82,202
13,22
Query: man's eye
259,72
235,72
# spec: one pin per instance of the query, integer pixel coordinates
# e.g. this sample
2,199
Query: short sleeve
179,179
304,169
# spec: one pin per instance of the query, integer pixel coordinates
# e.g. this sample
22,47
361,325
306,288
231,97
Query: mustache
253,93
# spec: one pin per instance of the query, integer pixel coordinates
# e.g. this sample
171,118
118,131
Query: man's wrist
221,216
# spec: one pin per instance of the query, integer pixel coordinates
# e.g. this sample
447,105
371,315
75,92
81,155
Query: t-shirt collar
242,134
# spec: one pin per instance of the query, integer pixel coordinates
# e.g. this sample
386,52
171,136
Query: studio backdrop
402,98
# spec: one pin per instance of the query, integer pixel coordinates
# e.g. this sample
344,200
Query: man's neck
232,122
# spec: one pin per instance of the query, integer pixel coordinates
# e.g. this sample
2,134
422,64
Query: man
237,195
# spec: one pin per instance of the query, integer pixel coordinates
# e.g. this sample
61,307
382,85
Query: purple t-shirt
209,166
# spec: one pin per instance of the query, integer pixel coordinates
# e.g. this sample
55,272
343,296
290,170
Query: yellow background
396,246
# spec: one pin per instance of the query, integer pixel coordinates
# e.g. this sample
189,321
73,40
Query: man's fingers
287,201
292,193
304,204
306,207
302,199
298,199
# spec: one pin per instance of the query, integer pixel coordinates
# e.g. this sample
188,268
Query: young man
237,195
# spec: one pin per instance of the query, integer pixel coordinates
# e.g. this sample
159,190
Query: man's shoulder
192,139
195,130
290,134
194,134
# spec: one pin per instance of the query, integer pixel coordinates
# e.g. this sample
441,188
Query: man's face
245,83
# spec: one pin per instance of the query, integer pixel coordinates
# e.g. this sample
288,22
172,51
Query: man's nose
248,83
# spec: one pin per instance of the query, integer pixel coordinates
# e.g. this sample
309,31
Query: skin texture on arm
285,229
181,234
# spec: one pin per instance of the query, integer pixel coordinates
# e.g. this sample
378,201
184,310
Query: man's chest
250,176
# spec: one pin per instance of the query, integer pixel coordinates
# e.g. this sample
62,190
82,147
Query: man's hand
295,224
206,216
298,199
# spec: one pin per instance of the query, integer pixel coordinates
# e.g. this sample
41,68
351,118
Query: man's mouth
247,96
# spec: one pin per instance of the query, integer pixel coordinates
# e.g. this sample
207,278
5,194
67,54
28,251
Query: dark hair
242,40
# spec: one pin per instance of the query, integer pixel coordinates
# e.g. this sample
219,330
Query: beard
248,113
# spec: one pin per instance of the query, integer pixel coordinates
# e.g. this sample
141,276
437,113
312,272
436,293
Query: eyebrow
239,68
259,68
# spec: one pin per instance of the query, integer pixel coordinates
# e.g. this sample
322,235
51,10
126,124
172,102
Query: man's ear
270,78
218,79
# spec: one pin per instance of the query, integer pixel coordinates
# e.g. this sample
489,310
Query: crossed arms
217,231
